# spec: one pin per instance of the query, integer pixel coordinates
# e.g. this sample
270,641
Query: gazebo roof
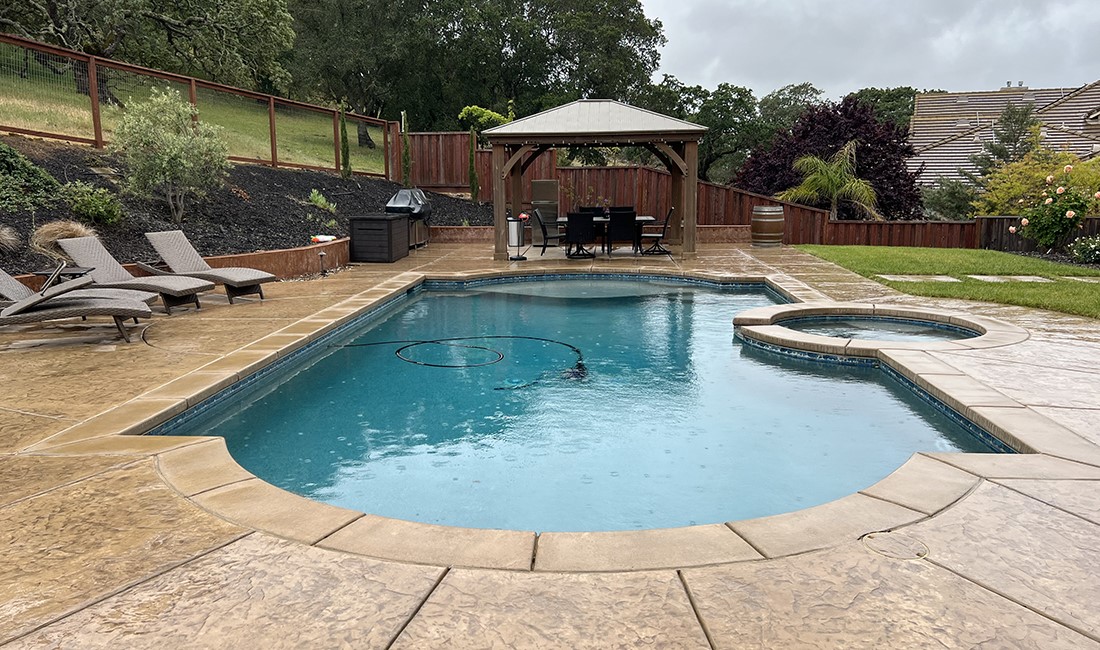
603,120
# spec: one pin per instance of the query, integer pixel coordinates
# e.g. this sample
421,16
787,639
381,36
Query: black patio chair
656,237
546,237
579,231
622,226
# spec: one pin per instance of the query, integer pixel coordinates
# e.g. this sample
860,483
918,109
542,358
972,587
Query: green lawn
1068,296
44,101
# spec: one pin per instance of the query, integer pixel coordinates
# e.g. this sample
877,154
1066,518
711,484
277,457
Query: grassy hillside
44,100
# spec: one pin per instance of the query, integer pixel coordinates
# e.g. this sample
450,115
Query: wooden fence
819,229
993,234
78,98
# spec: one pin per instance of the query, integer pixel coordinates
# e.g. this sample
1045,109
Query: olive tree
168,152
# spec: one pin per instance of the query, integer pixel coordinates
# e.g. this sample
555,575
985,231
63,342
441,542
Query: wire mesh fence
120,88
244,122
55,93
39,92
305,137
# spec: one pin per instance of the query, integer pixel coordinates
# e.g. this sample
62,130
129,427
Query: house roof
596,119
948,128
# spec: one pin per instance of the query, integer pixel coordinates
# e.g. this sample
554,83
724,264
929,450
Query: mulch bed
260,208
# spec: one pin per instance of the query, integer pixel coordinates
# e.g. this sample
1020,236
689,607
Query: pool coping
201,469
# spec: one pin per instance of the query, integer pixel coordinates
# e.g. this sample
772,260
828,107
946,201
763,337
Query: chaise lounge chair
57,302
182,258
107,272
12,290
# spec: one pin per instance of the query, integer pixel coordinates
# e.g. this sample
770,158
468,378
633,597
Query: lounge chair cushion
38,297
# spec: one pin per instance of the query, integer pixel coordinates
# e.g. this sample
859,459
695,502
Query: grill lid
412,202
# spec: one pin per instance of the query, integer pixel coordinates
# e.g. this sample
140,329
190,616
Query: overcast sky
844,45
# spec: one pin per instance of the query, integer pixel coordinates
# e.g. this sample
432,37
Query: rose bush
1058,212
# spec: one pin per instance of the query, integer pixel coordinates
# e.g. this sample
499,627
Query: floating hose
578,371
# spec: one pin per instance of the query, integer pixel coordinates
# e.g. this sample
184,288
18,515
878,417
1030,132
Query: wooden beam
534,156
674,157
515,158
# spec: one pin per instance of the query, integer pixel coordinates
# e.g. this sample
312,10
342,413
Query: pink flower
1070,214
1024,222
1050,179
1012,229
1096,196
1044,193
1061,190
1048,201
1067,169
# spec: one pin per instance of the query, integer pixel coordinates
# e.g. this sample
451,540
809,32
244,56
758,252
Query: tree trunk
83,83
363,131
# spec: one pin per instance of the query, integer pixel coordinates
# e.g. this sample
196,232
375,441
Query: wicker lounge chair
12,290
180,256
57,302
107,272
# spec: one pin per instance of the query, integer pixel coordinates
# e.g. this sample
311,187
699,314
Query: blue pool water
878,329
572,405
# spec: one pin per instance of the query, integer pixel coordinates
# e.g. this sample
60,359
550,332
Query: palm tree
833,180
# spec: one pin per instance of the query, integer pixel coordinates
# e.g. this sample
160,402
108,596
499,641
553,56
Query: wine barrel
767,225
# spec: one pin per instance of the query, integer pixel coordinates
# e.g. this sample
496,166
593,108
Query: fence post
336,137
193,96
271,131
386,150
93,93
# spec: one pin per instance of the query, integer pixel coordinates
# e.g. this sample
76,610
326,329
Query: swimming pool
572,405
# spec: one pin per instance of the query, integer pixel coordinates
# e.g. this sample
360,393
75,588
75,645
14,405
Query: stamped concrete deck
110,541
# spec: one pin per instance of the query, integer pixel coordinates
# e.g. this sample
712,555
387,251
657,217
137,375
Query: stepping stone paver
1010,278
919,278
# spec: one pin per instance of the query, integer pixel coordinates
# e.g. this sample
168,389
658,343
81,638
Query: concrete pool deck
124,541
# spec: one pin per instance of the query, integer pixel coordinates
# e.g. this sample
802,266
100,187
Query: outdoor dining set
607,226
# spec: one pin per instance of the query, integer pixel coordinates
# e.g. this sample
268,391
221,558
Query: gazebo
596,123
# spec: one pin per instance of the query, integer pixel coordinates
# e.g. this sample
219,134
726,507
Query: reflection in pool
572,405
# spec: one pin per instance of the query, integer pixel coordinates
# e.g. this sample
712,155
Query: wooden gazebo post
500,250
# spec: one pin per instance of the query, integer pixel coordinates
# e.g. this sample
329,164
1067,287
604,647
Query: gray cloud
844,45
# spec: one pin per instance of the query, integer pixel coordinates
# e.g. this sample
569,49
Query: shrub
44,238
475,184
1085,250
9,239
169,153
1058,210
950,199
1010,187
319,200
92,204
24,186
